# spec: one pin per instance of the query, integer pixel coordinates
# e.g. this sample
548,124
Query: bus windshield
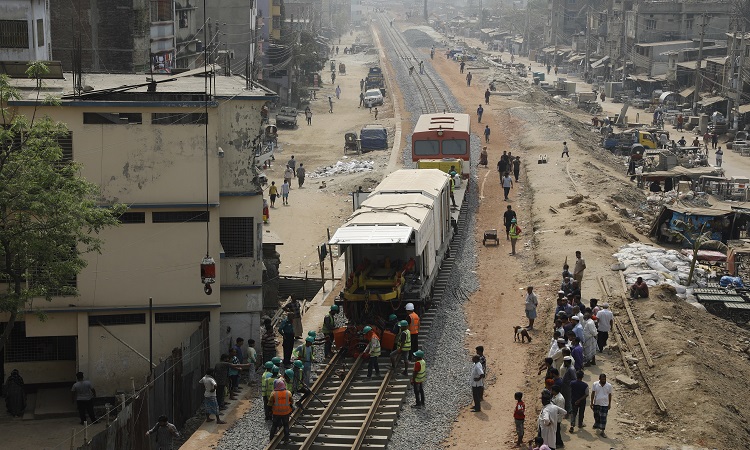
426,148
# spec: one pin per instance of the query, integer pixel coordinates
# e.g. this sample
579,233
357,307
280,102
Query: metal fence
174,392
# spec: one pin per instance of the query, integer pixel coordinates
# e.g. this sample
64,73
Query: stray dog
521,334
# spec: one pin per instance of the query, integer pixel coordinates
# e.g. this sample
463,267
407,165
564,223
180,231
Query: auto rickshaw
351,143
272,134
342,68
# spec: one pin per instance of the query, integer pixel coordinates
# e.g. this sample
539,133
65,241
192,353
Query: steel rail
360,439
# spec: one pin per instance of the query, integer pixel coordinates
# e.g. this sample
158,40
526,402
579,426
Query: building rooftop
657,44
188,86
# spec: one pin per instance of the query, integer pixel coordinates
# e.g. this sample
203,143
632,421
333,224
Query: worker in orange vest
413,320
281,407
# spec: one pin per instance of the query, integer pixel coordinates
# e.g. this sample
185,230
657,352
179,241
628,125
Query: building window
132,217
40,32
689,24
183,19
179,119
14,34
161,11
117,319
181,317
33,349
179,216
236,236
650,24
91,118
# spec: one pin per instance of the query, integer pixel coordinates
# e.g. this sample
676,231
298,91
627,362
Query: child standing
519,416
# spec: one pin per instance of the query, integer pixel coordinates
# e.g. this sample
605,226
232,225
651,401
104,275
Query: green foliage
699,237
49,217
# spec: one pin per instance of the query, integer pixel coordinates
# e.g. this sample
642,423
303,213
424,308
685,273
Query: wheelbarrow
490,235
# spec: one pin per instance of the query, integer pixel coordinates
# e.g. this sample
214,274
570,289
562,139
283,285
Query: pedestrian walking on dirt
549,419
84,395
361,99
719,156
519,417
468,79
487,134
578,269
514,232
565,150
507,217
292,164
516,167
330,104
308,115
603,96
714,140
285,192
462,65
531,302
288,175
338,92
286,329
333,77
376,113
209,396
579,393
477,383
362,84
487,97
480,111
507,182
601,399
605,321
301,176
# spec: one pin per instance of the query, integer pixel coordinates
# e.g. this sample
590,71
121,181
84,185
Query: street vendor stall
717,221
676,174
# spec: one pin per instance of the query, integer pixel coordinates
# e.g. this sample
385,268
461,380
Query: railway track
433,98
348,411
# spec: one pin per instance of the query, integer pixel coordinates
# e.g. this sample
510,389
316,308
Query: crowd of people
580,332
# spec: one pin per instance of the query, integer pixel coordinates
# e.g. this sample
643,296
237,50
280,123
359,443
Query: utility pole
739,77
624,46
526,33
555,15
730,62
696,93
588,38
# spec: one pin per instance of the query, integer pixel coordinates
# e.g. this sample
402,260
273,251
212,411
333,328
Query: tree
698,238
49,216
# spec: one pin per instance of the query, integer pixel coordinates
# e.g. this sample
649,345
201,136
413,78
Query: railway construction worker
392,324
413,320
329,323
289,380
418,375
403,347
266,387
372,350
304,354
298,385
280,403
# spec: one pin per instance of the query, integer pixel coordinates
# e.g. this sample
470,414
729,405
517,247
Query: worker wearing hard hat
413,320
281,406
392,324
372,350
403,347
329,324
298,385
266,386
304,353
418,375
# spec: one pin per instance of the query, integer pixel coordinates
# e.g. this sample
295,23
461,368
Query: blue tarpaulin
374,137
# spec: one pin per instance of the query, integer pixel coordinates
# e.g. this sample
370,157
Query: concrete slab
627,381
54,403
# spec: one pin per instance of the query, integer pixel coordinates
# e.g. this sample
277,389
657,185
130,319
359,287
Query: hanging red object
208,274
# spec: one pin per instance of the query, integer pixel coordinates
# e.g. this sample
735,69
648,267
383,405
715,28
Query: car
373,97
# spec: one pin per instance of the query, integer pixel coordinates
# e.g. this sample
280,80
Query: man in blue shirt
286,328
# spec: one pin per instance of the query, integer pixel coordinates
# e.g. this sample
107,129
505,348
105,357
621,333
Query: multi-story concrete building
24,30
183,163
142,36
665,20
233,27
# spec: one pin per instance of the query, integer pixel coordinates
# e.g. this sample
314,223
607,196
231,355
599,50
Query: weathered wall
239,124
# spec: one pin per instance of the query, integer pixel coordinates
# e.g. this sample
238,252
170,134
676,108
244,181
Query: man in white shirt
578,269
531,303
209,396
548,419
605,318
601,399
477,383
559,400
589,340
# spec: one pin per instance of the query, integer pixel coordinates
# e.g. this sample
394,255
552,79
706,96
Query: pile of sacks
659,266
344,168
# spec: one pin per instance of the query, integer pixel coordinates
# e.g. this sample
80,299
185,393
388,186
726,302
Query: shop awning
685,93
711,100
600,62
744,109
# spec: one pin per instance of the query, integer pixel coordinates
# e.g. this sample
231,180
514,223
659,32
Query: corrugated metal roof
372,234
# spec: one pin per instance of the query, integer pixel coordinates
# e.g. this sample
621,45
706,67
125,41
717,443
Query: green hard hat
392,317
403,323
309,339
419,354
275,370
312,333
289,373
335,308
298,363
276,360
366,329
268,365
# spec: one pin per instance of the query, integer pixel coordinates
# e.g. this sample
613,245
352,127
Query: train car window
426,148
454,147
